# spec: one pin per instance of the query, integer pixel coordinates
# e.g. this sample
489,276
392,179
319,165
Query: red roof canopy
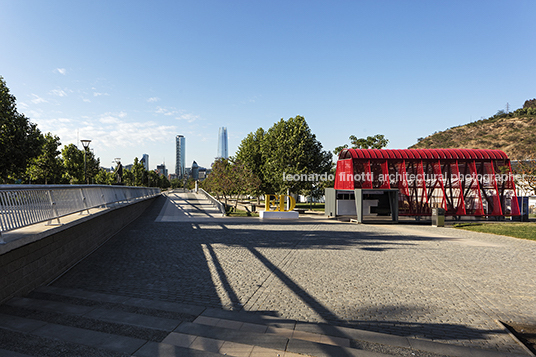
430,154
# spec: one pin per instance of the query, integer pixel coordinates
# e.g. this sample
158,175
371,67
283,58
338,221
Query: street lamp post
85,144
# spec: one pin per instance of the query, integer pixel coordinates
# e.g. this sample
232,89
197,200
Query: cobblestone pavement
411,280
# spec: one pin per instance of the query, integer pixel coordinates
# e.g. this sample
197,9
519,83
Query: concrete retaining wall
39,262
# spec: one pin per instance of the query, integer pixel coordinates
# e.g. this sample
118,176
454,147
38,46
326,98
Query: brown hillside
515,136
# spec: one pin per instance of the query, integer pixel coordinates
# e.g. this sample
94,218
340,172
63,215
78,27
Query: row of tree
230,177
29,156
20,140
265,158
70,167
377,141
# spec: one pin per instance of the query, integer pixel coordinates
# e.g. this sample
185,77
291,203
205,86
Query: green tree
220,181
289,147
155,180
48,166
164,182
377,141
525,175
250,154
20,140
190,183
105,178
128,177
176,183
73,161
244,179
139,173
529,103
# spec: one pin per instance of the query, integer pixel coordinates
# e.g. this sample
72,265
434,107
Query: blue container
523,209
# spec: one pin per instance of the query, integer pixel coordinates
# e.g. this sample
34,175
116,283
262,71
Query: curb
529,352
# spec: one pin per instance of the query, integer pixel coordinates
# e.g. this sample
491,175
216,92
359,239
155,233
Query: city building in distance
223,147
145,161
161,170
197,172
180,163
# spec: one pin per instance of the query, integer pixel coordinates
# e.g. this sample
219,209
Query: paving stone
204,320
179,339
250,318
127,318
258,351
451,350
90,338
19,323
323,350
32,304
167,306
246,326
236,349
152,349
82,294
6,353
29,344
354,334
206,344
263,340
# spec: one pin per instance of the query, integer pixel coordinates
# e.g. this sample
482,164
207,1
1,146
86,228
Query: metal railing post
84,201
55,214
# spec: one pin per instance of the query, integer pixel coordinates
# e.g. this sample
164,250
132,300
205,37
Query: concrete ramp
187,207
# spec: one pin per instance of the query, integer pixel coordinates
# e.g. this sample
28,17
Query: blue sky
131,75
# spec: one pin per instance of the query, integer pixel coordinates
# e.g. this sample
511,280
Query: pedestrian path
203,285
55,321
187,207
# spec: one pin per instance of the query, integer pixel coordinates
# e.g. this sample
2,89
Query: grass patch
231,212
315,206
511,229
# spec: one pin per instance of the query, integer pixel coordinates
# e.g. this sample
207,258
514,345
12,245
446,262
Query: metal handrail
23,205
220,206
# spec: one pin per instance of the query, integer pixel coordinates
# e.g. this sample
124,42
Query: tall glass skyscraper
223,147
145,161
180,162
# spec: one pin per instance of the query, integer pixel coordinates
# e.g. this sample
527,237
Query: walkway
290,287
187,207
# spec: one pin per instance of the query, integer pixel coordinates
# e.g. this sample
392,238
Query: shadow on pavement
169,261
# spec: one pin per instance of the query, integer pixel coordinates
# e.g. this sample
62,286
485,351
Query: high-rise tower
223,147
180,162
145,161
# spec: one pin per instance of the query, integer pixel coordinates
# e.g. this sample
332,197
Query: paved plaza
407,280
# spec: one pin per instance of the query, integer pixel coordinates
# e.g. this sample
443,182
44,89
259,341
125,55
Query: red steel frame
465,182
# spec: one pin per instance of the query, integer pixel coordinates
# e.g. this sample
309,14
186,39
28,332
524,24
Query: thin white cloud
108,119
60,71
109,130
153,99
188,117
37,99
165,111
179,115
97,94
58,92
33,114
86,100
